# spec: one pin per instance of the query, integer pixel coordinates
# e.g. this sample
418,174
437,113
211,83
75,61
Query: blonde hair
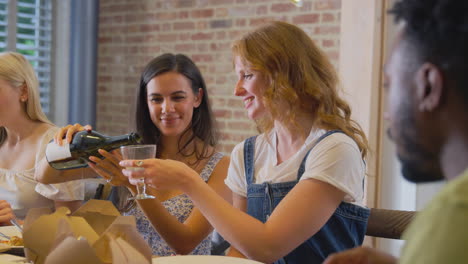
301,80
18,71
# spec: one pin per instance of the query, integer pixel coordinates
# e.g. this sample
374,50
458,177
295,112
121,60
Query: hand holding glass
139,152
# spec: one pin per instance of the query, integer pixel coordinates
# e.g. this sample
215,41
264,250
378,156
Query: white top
23,192
335,160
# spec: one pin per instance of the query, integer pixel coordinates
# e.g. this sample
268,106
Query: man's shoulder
456,191
438,231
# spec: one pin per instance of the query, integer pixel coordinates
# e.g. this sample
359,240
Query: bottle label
55,152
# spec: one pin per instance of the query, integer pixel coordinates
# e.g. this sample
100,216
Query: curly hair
437,32
301,80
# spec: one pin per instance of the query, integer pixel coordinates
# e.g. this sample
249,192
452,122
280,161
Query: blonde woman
298,186
24,133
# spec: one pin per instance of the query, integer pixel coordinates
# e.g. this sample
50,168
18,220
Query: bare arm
305,209
184,237
44,173
240,203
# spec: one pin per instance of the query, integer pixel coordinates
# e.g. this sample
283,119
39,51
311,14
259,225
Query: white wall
367,32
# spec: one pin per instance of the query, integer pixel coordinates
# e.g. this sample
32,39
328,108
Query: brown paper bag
96,228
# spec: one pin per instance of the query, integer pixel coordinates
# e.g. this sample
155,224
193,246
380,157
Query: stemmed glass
139,152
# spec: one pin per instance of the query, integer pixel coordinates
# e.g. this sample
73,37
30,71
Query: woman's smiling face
250,86
171,101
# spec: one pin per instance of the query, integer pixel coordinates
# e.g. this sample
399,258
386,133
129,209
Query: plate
11,231
6,258
4,247
201,260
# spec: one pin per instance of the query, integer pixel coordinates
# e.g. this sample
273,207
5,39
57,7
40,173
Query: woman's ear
23,93
198,98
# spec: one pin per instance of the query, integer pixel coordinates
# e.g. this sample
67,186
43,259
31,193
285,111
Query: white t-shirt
335,160
23,192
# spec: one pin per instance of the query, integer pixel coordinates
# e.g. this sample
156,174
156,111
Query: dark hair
202,124
438,32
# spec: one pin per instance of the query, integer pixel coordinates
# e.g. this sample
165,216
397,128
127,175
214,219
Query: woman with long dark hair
172,112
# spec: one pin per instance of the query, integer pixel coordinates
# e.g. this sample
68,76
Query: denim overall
345,229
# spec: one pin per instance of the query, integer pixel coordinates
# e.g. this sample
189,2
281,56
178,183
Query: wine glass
139,152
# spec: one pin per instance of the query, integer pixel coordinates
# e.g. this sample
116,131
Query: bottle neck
117,141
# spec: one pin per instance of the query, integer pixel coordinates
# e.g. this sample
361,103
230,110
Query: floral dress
179,206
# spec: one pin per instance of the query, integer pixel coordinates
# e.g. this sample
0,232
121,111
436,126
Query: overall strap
249,151
302,167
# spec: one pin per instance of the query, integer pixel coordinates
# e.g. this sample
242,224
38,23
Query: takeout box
95,234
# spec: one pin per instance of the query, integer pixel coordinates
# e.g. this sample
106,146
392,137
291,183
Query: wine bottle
84,144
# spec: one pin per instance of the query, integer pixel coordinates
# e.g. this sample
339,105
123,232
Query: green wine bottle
84,144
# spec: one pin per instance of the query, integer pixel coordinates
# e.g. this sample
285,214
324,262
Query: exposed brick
170,37
166,27
221,2
220,46
328,17
241,22
237,102
183,15
261,10
185,3
327,4
254,22
283,7
186,47
202,13
202,36
104,39
326,30
130,18
308,18
240,114
241,11
202,25
185,36
220,125
221,23
327,43
148,28
222,113
221,35
202,57
221,12
133,32
202,47
166,16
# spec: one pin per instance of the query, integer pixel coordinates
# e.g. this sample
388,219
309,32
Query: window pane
3,24
34,40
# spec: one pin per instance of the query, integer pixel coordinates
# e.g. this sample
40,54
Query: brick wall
131,32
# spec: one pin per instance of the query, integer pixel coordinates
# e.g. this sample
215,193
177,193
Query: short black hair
438,32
